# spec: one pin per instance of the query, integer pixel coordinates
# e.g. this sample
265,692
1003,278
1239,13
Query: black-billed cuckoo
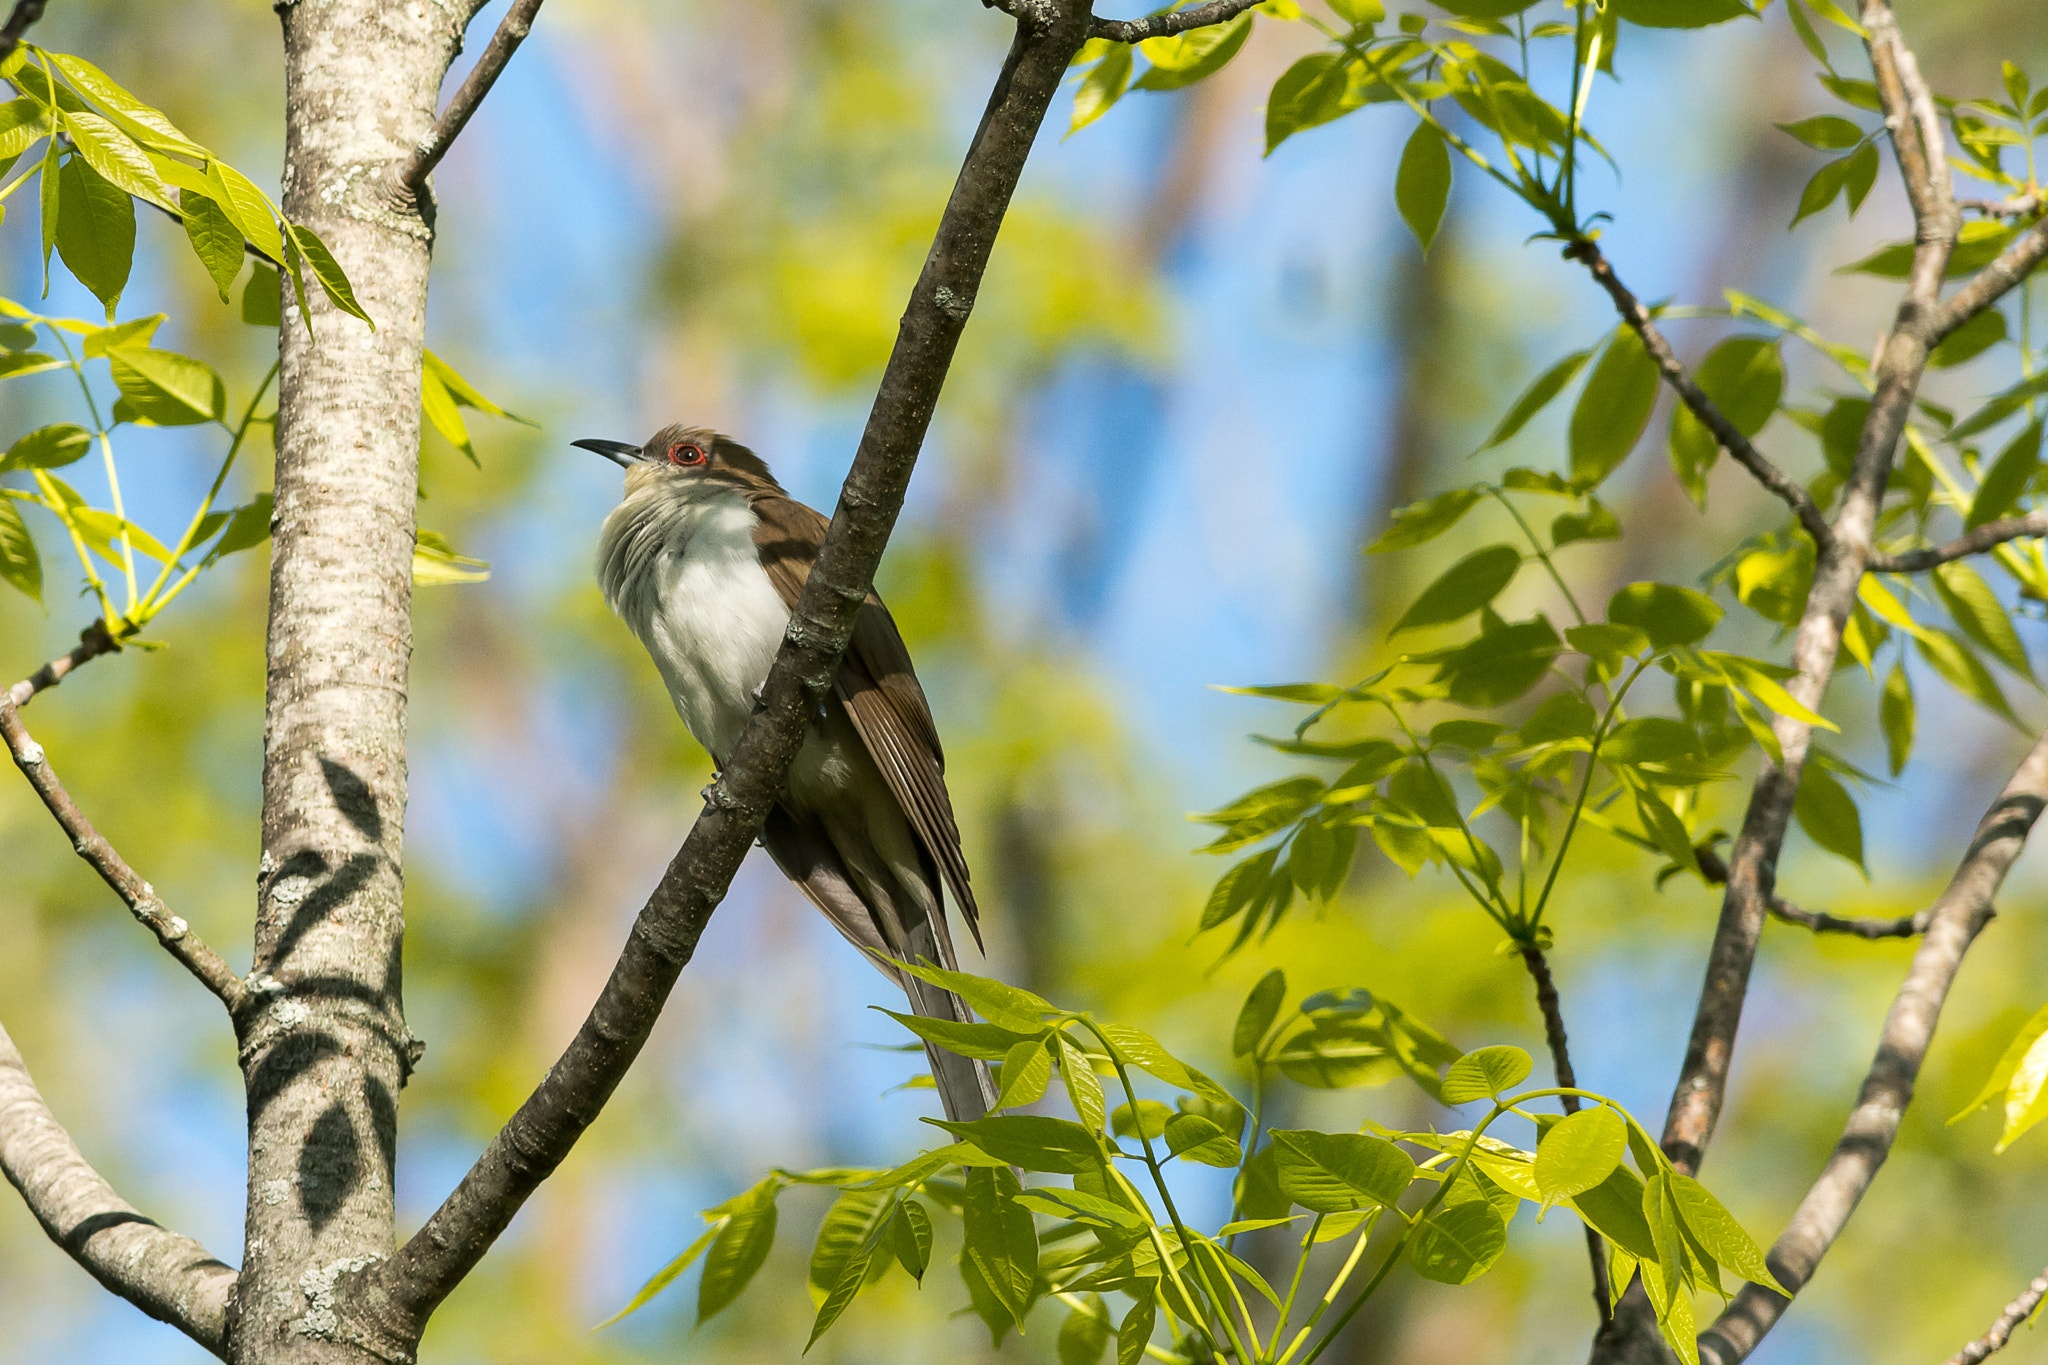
703,558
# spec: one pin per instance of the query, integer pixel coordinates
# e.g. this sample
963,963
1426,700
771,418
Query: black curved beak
618,452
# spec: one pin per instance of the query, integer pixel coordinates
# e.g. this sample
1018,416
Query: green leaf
1679,13
115,156
1194,1138
1085,1333
1261,1008
844,1235
1335,1172
139,120
247,526
1716,1230
1032,1141
1745,377
23,123
1306,694
1459,1242
1963,670
1755,678
163,388
2008,1064
663,1277
740,1248
1982,616
986,1305
1136,1331
1667,614
1084,1087
1860,175
1975,248
1613,408
1102,87
19,564
2000,407
1614,1209
1003,1005
248,208
999,1239
1895,716
1485,1073
95,232
1533,400
910,1238
1147,1118
1027,1070
262,298
1422,184
1822,189
1431,517
1140,1049
214,238
1828,814
1970,340
1595,523
2008,478
1080,1207
851,1281
1463,588
50,447
1825,132
987,1042
326,270
1486,9
1308,93
1185,58
1500,666
1579,1152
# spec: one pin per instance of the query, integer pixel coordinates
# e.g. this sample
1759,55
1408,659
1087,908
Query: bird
703,560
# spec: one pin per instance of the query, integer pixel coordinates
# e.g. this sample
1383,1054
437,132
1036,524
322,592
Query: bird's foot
711,786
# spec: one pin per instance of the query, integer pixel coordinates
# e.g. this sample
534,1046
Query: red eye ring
686,453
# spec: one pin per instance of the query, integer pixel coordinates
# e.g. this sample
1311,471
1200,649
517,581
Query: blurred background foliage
1195,381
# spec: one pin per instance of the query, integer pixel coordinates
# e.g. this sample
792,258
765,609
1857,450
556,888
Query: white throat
679,567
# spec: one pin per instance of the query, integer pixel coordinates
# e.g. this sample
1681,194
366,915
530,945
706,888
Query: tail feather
966,1087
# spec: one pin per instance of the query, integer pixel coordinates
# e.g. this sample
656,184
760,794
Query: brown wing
880,691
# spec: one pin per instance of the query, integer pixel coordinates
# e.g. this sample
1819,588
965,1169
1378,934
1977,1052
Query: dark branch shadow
354,799
330,1166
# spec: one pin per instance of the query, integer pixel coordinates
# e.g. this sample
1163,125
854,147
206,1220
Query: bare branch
1820,921
138,895
408,179
1780,484
168,1276
1995,280
93,641
1561,1066
396,1297
2012,206
26,12
1166,25
1976,542
2016,1312
1953,922
1752,863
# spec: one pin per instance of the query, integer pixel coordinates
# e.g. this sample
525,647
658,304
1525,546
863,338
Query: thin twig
1561,1066
93,641
1780,484
397,1296
1985,537
1166,25
1953,923
26,12
408,179
138,895
2016,1312
2013,206
168,1276
1994,281
1820,921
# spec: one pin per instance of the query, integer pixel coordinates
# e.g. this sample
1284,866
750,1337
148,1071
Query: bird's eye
686,452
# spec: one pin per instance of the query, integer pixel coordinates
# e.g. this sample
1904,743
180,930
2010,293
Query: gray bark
324,1046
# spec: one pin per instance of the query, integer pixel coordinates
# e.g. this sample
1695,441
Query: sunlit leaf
1828,814
1458,1243
1463,588
96,232
1579,1152
50,447
1613,408
1335,1172
20,566
1485,1073
739,1250
1422,183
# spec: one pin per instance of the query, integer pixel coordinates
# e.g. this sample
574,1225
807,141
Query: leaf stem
1585,785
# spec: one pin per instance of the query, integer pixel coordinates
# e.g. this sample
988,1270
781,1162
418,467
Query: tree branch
2016,1312
1995,280
26,12
2013,206
1561,1067
1975,542
408,179
1953,922
168,1276
1752,863
1165,25
1821,922
138,895
1738,446
396,1297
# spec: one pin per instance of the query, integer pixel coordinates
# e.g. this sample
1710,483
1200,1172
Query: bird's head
679,454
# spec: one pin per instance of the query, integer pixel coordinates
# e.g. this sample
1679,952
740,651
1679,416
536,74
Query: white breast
702,605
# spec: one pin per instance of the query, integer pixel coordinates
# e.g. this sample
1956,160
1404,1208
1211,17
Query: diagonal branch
1752,863
1780,484
1552,1010
1990,534
408,179
2000,1332
168,1276
1166,25
392,1301
138,895
1995,280
1953,922
1820,921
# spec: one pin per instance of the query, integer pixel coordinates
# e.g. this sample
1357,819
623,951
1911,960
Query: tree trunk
324,1046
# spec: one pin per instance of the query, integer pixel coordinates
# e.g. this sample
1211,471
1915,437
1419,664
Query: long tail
965,1086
